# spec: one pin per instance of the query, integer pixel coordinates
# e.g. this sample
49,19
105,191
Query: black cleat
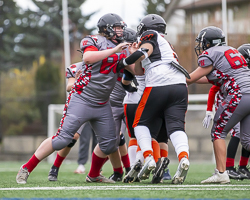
53,173
244,170
131,176
233,174
161,165
116,176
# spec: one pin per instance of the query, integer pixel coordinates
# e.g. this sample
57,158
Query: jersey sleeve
149,37
71,71
211,96
204,60
89,41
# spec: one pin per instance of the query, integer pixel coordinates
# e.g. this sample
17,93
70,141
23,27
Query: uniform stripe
141,105
126,119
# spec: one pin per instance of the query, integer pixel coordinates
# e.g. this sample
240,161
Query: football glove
208,118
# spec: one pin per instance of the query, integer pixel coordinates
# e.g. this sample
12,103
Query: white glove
209,117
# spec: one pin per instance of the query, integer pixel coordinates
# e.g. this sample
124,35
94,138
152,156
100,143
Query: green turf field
72,185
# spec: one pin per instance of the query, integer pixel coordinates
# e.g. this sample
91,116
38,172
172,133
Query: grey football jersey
230,70
117,95
72,69
97,80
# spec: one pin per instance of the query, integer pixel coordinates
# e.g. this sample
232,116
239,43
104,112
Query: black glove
129,88
120,66
128,76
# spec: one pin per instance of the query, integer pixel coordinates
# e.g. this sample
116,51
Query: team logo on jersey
94,37
204,53
202,62
147,37
84,42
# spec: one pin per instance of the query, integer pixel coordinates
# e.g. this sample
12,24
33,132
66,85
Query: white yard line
136,187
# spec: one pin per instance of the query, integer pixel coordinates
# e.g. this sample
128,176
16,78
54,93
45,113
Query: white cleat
22,175
80,169
147,168
218,178
181,172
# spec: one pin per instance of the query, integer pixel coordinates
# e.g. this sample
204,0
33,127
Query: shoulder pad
148,35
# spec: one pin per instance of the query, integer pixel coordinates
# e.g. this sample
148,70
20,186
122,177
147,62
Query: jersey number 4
235,59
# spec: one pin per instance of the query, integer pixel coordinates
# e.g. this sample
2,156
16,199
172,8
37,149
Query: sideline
137,187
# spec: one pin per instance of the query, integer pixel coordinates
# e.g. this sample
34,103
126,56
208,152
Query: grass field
72,185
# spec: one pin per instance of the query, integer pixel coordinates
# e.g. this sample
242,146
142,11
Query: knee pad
122,140
72,143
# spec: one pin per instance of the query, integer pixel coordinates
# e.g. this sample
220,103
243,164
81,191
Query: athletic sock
244,157
32,163
58,161
119,170
132,147
230,163
156,150
164,153
125,161
96,165
182,155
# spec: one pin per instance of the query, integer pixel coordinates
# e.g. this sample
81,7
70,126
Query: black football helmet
152,22
245,51
130,35
106,24
209,37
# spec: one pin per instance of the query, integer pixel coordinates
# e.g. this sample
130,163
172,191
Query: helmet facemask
109,31
205,42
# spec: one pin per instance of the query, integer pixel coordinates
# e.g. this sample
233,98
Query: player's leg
108,141
118,115
123,148
83,153
62,139
227,116
231,153
245,141
129,112
60,156
174,115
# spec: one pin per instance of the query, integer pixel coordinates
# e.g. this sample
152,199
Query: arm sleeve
88,41
204,61
211,96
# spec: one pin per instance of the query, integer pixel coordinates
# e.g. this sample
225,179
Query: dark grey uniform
116,99
231,73
85,131
89,99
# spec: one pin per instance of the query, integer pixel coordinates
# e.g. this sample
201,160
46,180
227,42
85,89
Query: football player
225,67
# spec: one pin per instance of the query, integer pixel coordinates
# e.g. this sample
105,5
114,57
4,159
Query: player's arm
199,73
143,51
127,80
210,102
72,80
92,54
211,96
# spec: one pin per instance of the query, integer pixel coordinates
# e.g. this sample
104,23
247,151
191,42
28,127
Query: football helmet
129,35
152,22
209,37
245,51
106,24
